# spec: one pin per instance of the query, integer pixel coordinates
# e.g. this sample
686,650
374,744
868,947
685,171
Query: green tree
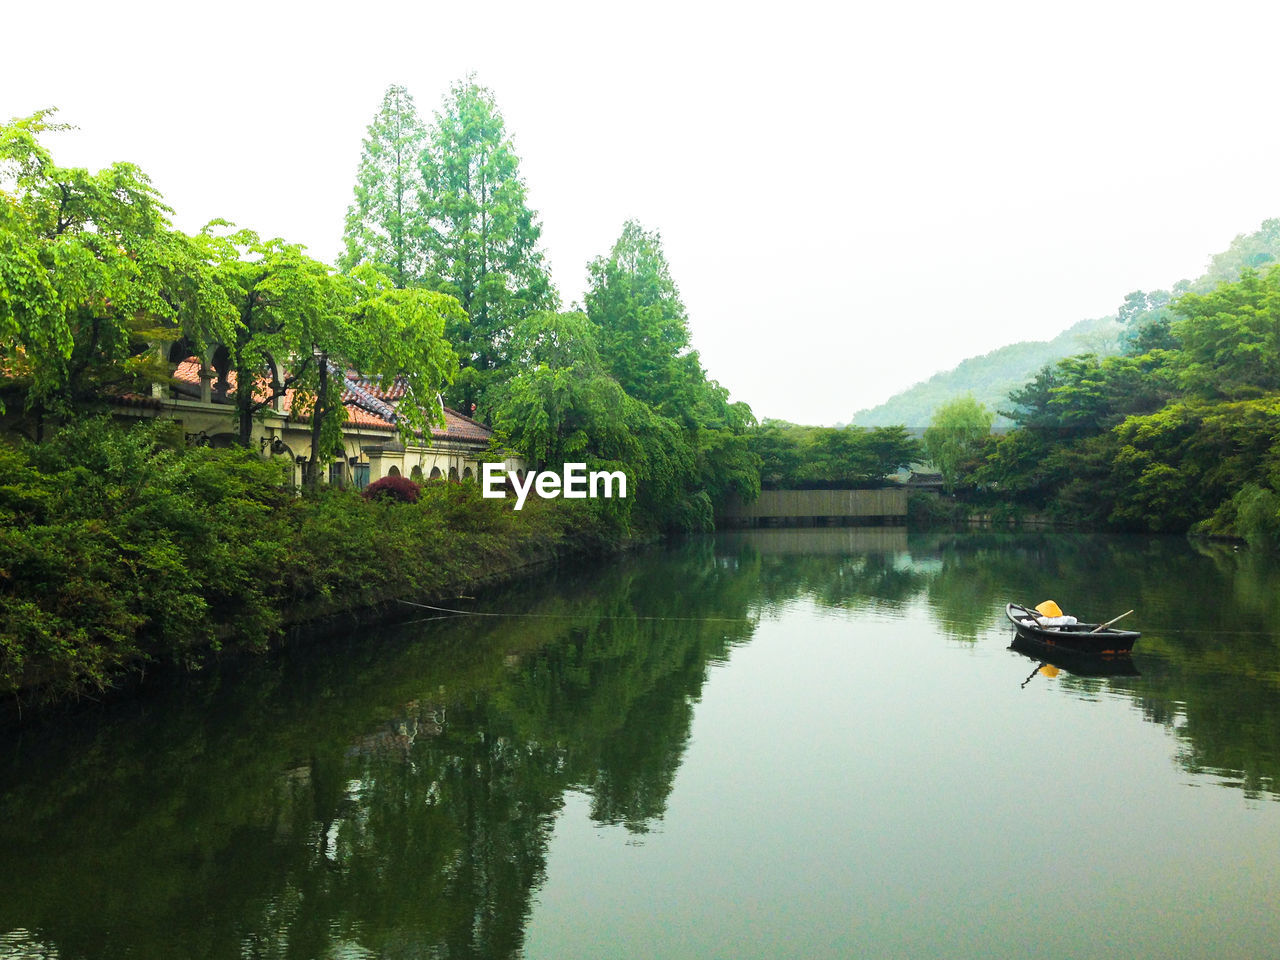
643,334
793,456
92,278
388,334
287,302
483,238
728,466
955,435
644,328
777,444
890,449
1231,337
386,225
559,404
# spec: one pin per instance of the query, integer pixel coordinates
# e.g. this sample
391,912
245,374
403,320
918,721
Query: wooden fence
810,507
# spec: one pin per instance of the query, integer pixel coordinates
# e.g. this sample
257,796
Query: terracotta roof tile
368,402
460,427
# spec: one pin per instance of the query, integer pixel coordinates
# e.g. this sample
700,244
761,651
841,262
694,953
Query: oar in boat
1103,626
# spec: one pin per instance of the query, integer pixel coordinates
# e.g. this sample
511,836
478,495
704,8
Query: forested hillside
991,377
1178,432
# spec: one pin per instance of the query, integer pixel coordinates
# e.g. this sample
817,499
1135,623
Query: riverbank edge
581,540
932,511
402,606
85,619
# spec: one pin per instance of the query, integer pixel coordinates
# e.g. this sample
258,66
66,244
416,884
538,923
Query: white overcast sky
851,196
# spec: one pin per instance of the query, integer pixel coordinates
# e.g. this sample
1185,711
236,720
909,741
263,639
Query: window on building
335,473
360,475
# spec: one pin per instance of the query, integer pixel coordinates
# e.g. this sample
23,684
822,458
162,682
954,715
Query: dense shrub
926,509
118,549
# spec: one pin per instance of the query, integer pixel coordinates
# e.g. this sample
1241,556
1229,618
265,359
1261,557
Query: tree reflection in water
393,795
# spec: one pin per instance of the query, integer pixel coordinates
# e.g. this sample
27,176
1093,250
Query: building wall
279,438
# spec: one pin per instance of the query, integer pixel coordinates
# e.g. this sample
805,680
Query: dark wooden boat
1075,662
1077,637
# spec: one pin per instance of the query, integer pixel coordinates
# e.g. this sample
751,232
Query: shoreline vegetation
123,546
1177,434
122,550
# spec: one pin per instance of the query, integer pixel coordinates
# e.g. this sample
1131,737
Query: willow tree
386,225
483,238
558,404
301,326
388,335
955,435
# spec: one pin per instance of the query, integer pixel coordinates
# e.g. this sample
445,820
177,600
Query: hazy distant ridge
990,377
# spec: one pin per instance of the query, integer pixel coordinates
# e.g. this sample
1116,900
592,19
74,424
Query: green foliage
114,534
482,237
559,405
618,389
386,226
286,302
1257,516
1143,323
119,548
1164,440
956,433
797,457
393,334
1230,338
644,329
92,277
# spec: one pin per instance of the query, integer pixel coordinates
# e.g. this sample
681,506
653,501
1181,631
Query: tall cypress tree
644,329
483,238
386,225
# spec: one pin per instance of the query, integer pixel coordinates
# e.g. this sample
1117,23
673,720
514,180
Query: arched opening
180,350
435,473
453,474
393,472
416,473
467,474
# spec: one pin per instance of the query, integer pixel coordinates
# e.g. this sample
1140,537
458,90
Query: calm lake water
783,743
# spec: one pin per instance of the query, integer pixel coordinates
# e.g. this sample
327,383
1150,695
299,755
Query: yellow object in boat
1049,609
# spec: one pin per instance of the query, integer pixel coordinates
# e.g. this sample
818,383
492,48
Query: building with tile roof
200,397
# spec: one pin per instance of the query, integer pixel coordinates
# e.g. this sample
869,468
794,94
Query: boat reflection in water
1073,661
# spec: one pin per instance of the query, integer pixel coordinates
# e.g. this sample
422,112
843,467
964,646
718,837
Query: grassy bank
119,548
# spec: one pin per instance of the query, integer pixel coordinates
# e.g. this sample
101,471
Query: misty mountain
991,376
